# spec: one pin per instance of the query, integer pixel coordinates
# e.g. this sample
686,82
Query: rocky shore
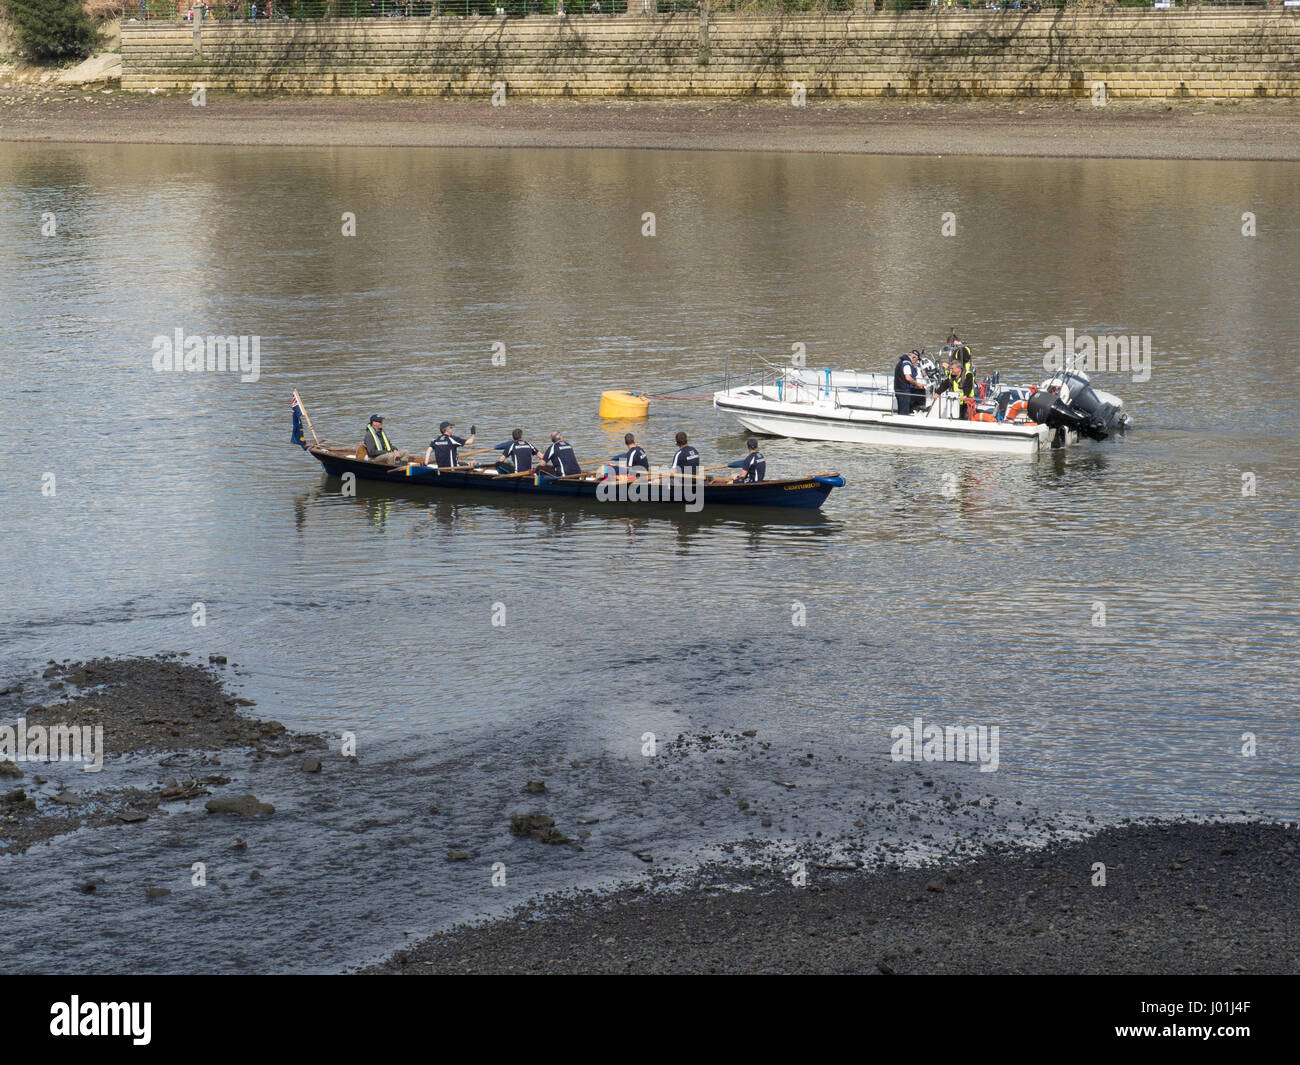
908,874
144,706
1140,129
1194,898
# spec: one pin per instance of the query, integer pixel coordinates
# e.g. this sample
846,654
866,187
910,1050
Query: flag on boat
299,436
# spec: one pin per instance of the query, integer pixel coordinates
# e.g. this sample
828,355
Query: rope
681,399
673,391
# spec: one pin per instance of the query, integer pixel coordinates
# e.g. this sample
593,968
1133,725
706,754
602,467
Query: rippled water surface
374,613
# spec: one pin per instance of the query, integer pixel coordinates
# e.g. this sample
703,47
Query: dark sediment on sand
143,706
1138,129
1198,898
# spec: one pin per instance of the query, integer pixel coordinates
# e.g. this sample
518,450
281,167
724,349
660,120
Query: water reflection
554,518
194,492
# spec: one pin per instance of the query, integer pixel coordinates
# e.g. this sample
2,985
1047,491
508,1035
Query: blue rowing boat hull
805,493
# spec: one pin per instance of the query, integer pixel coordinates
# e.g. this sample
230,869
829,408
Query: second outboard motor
1047,408
1103,416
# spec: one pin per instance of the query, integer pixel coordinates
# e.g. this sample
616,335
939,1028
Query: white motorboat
857,407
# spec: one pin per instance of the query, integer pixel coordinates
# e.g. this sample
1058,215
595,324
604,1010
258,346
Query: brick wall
1197,53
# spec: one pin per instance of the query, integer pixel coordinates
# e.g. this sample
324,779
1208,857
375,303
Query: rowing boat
692,493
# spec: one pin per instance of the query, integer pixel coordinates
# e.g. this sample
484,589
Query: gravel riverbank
1178,898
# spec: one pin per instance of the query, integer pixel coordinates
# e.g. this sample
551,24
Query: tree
46,31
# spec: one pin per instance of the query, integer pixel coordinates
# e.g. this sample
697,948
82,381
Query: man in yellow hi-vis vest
378,448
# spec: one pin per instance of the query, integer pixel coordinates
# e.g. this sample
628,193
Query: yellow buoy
619,406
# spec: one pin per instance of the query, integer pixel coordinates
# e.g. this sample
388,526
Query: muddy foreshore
123,706
788,897
1138,129
1204,898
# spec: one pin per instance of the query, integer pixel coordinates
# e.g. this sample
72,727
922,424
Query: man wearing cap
960,382
561,457
753,466
442,449
378,448
907,383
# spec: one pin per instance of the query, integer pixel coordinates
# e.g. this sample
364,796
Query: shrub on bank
47,31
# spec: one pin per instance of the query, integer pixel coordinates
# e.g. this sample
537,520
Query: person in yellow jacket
960,381
377,445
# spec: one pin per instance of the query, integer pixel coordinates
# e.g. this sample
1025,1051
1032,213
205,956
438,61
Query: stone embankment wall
1191,53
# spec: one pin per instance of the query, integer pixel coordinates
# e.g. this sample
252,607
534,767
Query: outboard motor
1047,409
1103,416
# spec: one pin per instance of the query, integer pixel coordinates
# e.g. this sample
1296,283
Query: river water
1125,613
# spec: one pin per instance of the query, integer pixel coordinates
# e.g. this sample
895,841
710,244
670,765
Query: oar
538,469
702,469
437,469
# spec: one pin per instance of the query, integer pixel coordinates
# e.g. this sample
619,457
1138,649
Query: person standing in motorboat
963,356
960,381
908,387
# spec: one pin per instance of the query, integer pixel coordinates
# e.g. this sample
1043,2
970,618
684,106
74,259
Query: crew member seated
753,466
377,445
560,457
687,459
634,459
516,454
442,450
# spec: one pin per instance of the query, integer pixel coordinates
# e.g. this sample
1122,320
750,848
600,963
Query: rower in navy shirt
518,453
687,458
561,457
442,448
634,458
753,466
